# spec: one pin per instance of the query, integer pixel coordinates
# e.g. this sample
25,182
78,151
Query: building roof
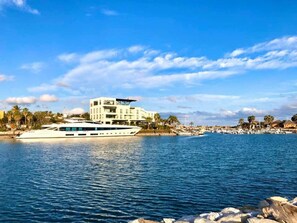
125,99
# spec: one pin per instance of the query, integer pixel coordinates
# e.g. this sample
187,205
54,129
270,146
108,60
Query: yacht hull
68,132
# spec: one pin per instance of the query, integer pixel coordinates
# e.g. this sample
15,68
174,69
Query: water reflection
118,179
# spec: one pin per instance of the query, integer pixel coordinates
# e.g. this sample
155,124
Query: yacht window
82,134
69,134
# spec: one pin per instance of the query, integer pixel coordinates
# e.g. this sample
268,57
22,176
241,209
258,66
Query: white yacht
80,130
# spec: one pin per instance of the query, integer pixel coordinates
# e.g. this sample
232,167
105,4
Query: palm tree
294,118
268,119
148,121
240,122
157,118
29,118
172,119
17,117
15,109
9,116
251,119
25,113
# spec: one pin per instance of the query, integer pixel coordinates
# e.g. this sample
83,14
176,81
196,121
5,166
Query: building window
95,103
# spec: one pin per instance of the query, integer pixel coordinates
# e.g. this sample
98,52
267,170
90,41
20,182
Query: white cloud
35,67
98,55
48,98
31,99
109,12
154,69
20,4
288,42
43,88
74,111
21,100
136,49
5,77
68,57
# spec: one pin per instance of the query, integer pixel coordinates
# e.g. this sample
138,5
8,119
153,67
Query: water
119,179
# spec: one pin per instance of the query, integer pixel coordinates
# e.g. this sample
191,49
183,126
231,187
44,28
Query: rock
227,211
211,216
234,218
168,220
249,209
260,216
263,204
186,219
203,220
141,220
281,210
256,220
294,201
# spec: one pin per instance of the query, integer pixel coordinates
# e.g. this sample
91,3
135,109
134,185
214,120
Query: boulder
168,220
203,220
281,210
234,218
227,211
186,219
141,220
294,201
211,216
257,220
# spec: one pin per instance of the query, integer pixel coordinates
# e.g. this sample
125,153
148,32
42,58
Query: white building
117,111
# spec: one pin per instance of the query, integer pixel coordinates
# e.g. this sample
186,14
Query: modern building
117,111
2,113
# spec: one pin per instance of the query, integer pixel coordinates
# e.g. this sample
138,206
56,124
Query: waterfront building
2,114
118,111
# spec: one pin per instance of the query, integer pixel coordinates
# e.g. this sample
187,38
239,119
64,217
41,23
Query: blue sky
211,62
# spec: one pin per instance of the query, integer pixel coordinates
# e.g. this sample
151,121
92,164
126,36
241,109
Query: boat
188,133
80,130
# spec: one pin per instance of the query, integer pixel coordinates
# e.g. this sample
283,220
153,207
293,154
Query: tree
86,116
16,109
251,119
157,118
148,121
172,119
240,122
29,118
9,116
268,119
191,124
294,118
17,116
25,114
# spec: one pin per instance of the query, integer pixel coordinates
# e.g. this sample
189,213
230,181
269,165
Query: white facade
117,111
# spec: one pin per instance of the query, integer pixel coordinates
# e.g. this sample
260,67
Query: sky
208,62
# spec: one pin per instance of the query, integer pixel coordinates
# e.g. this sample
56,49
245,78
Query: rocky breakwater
271,210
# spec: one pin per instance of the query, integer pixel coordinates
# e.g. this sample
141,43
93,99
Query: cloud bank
19,4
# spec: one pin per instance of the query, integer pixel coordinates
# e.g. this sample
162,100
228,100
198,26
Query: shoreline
270,210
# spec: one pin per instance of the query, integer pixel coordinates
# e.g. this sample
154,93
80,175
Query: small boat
80,130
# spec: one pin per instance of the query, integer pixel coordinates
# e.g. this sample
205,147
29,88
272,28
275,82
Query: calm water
116,180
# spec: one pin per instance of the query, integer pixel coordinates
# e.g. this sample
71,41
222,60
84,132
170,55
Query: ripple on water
115,180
